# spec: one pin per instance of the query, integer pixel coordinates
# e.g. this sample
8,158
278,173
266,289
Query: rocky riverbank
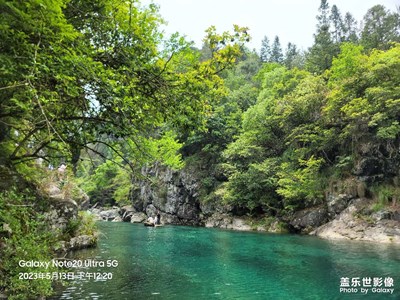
355,222
359,222
129,214
62,214
348,215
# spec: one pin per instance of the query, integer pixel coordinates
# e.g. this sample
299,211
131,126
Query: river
179,262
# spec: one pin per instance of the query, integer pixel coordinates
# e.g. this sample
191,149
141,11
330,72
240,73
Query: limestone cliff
174,194
347,212
350,209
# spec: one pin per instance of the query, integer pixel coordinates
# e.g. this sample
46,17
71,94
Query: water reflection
196,263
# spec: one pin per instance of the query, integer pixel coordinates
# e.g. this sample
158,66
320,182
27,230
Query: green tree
265,52
276,51
300,184
291,56
323,17
252,160
94,74
202,150
337,32
380,28
362,102
84,80
350,28
323,50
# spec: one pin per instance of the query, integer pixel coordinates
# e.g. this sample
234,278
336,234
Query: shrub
27,239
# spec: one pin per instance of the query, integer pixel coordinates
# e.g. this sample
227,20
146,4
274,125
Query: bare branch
13,86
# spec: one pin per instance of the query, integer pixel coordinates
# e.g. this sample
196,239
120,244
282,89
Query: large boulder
239,224
219,220
60,212
138,217
127,212
307,220
81,242
109,215
187,211
336,203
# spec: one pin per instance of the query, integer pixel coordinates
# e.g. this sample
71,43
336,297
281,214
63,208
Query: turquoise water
177,262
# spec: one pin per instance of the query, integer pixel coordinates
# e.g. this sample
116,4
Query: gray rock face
175,195
109,215
60,212
225,221
81,242
337,203
138,217
351,224
127,212
309,219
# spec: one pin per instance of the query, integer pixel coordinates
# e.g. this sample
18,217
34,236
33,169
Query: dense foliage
308,129
96,86
80,74
82,83
27,238
310,119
